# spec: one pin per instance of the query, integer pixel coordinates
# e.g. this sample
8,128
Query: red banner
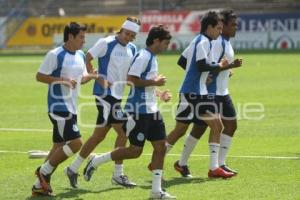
176,21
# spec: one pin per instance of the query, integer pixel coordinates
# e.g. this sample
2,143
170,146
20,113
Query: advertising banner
38,31
255,31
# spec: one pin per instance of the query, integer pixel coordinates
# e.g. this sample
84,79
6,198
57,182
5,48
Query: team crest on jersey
75,128
119,114
140,137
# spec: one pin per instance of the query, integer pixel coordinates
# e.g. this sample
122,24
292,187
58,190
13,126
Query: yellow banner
39,31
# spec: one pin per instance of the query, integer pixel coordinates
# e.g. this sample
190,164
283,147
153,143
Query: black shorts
226,107
64,126
191,107
140,127
109,111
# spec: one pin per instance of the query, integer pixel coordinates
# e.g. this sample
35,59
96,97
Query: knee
75,145
136,152
230,130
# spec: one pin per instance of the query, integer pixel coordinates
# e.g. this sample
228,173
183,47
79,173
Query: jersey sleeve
99,49
202,50
185,52
139,65
49,64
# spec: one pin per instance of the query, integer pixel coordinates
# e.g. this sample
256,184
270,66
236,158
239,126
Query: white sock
76,164
46,168
214,151
37,183
118,170
169,147
225,142
98,160
156,180
189,146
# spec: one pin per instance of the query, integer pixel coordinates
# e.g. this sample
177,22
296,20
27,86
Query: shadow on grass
178,181
73,194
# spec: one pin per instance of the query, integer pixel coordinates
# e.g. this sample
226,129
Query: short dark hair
158,32
209,18
227,15
73,28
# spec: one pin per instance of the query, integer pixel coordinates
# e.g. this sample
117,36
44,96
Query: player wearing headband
114,54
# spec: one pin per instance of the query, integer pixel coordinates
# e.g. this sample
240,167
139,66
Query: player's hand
103,82
224,63
165,96
209,79
71,83
160,80
237,63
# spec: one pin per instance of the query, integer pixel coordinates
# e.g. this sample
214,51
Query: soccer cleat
219,173
123,181
183,170
40,192
89,170
161,195
227,169
44,180
72,177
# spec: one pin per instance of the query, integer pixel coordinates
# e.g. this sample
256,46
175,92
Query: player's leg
64,129
134,130
157,135
99,133
191,141
215,125
184,117
229,121
117,121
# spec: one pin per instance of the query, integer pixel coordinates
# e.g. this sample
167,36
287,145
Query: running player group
203,100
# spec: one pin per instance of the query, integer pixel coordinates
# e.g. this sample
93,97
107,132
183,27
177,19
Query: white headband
129,25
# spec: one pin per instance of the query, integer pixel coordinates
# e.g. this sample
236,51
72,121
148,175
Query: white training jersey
143,99
195,81
60,62
114,60
221,48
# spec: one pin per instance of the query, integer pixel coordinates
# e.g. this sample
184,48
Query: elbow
38,77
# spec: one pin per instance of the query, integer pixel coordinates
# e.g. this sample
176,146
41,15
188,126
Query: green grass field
272,80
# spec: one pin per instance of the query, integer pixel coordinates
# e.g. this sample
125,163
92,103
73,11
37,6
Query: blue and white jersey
143,99
60,62
195,81
114,60
221,48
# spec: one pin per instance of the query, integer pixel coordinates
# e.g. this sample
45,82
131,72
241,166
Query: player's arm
48,79
138,82
89,66
93,73
223,65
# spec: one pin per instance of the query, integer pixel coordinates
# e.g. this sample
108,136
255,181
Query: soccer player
63,70
195,104
219,87
144,119
114,54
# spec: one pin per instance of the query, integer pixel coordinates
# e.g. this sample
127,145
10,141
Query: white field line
25,130
193,155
